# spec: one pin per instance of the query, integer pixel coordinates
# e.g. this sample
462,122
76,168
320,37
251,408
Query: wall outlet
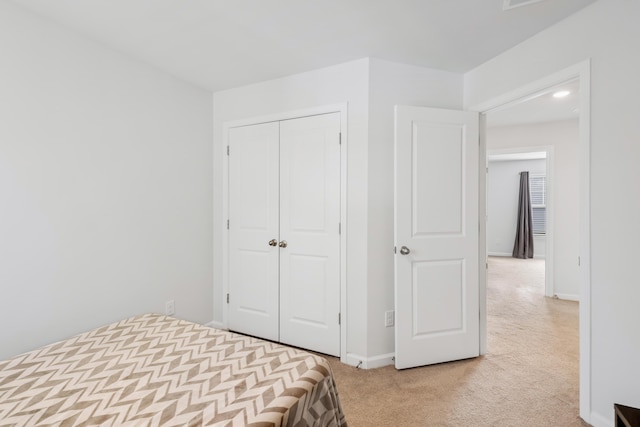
169,308
388,318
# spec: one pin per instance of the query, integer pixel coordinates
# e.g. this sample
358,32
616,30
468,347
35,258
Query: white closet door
309,224
253,216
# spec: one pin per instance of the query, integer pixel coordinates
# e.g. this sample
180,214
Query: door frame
341,108
582,72
549,237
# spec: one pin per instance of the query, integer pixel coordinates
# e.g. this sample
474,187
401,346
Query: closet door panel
309,223
253,223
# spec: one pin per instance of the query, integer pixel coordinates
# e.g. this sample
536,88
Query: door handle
273,242
404,250
283,244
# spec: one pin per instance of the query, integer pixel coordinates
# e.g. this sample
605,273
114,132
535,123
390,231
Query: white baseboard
215,324
370,362
598,420
504,254
569,297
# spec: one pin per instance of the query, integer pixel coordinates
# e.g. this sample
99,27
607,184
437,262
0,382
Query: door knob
273,242
283,244
404,250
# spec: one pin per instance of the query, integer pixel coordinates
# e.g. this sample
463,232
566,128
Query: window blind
538,191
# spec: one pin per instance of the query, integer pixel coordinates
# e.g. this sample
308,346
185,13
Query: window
538,190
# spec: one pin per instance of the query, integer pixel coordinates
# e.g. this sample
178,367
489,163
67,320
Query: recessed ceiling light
561,94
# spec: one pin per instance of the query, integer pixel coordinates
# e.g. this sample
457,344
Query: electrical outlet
388,318
169,308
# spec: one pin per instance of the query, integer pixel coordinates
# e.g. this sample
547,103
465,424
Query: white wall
392,84
105,187
503,189
563,137
607,33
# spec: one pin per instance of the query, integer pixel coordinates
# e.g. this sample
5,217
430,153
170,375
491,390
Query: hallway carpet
529,376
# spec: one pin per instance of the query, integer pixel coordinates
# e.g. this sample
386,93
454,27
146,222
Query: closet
284,231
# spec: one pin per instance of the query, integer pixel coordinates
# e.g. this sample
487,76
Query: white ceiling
539,107
219,44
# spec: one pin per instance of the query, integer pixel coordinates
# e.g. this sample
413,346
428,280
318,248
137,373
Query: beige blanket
153,370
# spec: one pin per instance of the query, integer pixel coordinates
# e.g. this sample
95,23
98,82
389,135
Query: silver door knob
273,242
283,244
404,250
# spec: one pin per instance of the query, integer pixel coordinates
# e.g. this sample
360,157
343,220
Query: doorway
539,135
504,166
581,73
521,292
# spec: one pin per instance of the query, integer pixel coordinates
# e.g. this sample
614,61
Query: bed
153,370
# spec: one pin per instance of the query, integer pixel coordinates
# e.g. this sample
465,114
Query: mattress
153,370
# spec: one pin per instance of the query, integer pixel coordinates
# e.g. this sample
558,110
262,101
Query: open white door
436,236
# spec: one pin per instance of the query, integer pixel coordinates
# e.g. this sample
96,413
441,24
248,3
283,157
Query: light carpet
529,376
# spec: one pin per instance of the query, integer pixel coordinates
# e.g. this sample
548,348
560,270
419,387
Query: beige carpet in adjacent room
529,376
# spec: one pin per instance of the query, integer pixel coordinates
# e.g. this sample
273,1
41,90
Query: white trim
598,420
509,157
215,324
483,264
344,118
581,71
288,115
549,236
508,6
517,150
370,362
585,242
502,254
568,297
532,89
223,227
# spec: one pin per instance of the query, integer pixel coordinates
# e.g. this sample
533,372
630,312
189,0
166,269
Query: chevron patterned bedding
153,370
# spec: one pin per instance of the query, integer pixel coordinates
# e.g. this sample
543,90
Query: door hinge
395,249
339,228
227,224
578,261
227,298
340,138
227,150
339,318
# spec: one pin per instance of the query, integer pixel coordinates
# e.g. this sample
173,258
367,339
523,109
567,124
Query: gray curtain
523,247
